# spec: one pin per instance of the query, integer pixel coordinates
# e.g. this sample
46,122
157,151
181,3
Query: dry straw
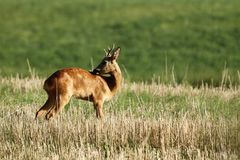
123,134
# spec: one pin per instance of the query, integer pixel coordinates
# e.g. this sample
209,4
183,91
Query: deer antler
108,51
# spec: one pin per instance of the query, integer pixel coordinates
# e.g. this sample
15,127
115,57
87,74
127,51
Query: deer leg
48,104
98,107
62,100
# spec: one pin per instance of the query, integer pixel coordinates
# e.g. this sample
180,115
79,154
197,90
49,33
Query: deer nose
96,71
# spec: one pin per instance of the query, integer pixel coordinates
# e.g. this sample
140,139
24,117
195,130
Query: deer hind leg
98,107
46,107
61,101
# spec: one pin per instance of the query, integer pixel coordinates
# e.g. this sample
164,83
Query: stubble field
144,121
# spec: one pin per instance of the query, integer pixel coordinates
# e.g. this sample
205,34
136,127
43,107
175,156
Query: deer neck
114,80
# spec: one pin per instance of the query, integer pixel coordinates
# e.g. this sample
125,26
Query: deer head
108,64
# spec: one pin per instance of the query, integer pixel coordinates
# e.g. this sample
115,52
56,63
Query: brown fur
81,84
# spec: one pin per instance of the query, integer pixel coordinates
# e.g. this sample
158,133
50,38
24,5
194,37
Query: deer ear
116,53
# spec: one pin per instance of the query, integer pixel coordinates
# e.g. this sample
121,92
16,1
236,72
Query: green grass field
195,39
144,121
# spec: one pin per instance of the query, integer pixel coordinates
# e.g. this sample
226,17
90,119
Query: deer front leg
98,107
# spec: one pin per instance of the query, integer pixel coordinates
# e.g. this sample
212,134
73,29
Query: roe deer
82,84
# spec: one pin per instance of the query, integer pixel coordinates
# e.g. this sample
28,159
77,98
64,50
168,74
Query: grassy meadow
194,39
144,121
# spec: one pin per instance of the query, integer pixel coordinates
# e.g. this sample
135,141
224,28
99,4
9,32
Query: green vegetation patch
197,38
